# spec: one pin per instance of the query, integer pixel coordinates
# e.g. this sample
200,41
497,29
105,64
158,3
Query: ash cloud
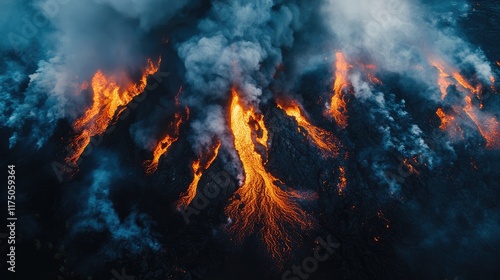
239,43
399,35
53,46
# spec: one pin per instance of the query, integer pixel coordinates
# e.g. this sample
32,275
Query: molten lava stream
489,127
449,123
443,80
109,97
262,203
199,166
487,124
164,144
324,140
338,106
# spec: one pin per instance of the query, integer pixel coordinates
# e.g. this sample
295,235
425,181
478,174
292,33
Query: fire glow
449,123
338,105
165,143
198,167
324,140
486,124
109,100
262,203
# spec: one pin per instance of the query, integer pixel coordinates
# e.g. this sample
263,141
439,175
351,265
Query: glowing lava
342,180
487,124
443,79
324,140
109,100
338,105
262,204
198,167
165,143
450,124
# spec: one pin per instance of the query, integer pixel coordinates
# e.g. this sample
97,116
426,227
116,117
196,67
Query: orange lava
109,100
410,167
324,140
260,204
338,106
449,123
463,82
261,128
489,127
369,69
487,124
198,167
342,180
165,143
443,79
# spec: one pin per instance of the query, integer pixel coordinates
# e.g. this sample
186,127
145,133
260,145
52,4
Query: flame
198,167
338,106
262,203
109,100
324,140
165,143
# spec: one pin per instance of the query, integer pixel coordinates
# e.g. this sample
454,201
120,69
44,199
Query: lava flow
198,167
109,100
324,140
338,105
164,144
449,123
262,203
486,124
443,80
